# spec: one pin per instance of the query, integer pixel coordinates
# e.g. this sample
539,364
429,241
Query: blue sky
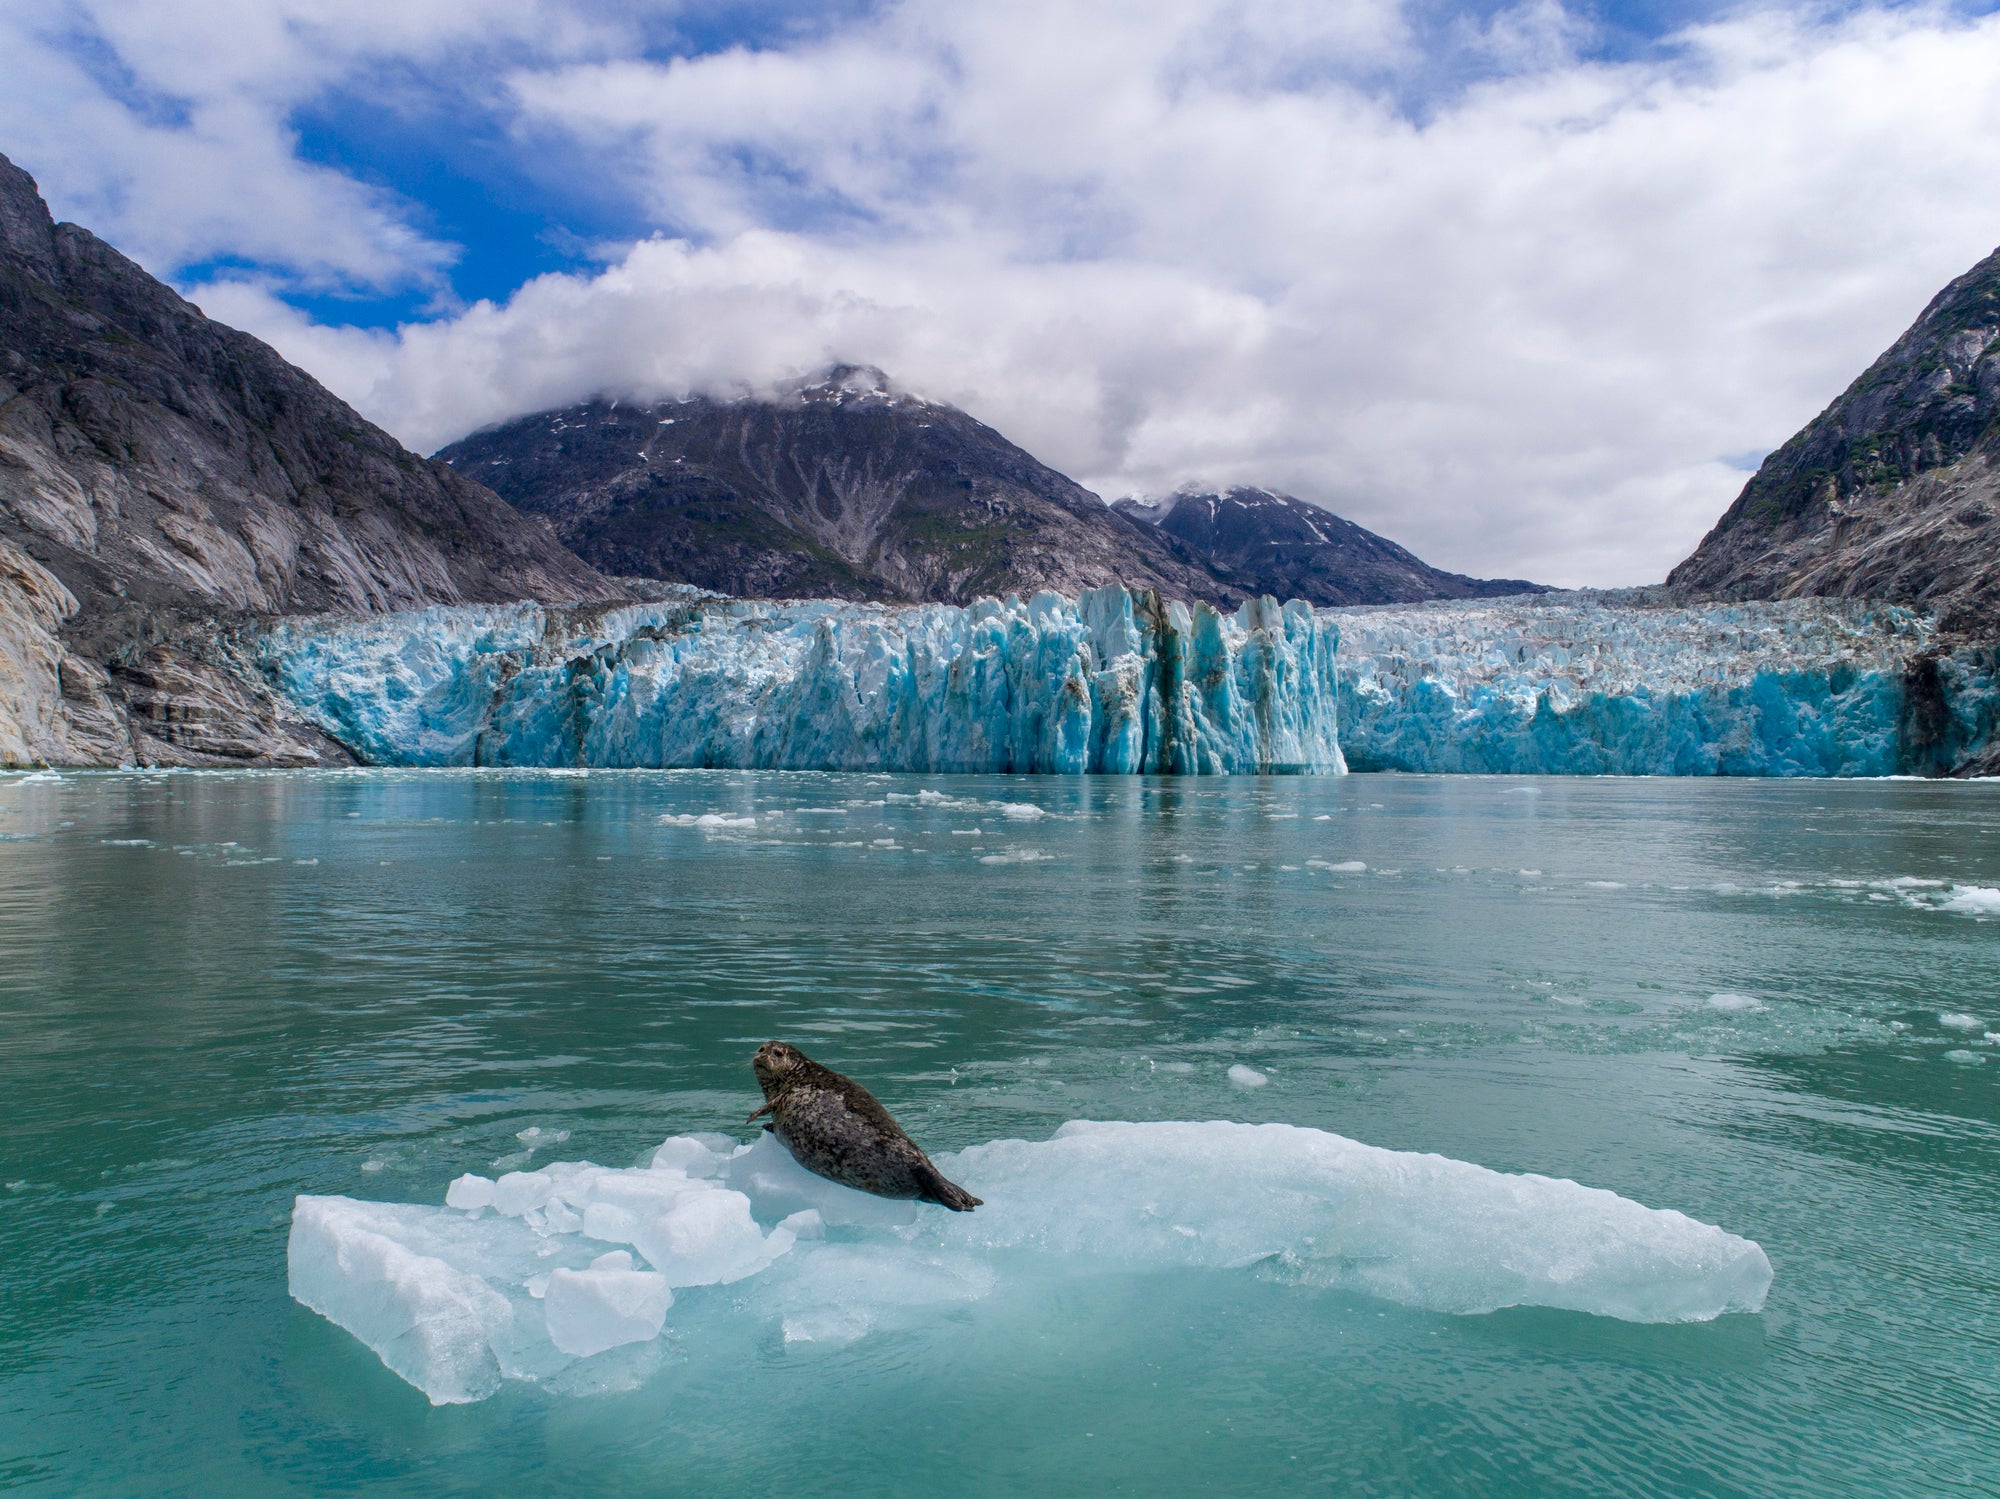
1524,286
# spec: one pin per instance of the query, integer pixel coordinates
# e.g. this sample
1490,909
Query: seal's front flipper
760,1114
946,1194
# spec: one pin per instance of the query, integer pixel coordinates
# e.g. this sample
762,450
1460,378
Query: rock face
1274,543
156,469
1893,492
843,487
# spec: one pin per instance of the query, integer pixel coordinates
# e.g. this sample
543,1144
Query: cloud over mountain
1522,297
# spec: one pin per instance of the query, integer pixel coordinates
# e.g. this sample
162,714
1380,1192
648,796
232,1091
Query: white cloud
1197,241
166,128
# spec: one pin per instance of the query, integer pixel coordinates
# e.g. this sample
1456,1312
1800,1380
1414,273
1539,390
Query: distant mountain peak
841,484
845,384
1278,543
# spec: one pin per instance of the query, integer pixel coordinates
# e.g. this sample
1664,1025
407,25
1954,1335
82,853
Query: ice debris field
538,1274
1117,681
1585,684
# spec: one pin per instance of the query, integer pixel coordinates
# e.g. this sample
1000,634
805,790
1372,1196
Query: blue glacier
1121,682
1588,684
1114,681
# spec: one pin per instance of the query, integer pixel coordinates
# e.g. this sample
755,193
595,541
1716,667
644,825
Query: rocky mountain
157,467
843,486
1893,492
1274,543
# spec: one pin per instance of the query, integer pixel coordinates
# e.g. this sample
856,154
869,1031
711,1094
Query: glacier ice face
1112,681
1579,684
1117,681
456,1301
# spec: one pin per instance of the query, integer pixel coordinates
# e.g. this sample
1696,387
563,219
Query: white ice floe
541,1269
1247,1077
1958,1020
1734,1003
1973,900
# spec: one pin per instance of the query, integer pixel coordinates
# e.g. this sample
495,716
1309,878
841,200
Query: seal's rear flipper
946,1193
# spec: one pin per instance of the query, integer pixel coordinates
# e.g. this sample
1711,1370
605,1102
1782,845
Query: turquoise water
221,991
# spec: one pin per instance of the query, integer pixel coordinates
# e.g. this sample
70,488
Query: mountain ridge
158,468
1893,491
1291,548
842,485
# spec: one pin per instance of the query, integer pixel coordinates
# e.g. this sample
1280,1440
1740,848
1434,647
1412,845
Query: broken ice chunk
470,1192
606,1306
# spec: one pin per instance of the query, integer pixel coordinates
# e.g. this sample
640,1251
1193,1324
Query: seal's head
776,1064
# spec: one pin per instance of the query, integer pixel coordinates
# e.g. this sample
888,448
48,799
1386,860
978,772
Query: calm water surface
219,991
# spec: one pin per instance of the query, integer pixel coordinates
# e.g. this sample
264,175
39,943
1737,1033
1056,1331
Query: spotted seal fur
835,1128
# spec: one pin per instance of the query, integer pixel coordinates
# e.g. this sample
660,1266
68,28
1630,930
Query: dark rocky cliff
1274,543
843,487
157,467
1892,492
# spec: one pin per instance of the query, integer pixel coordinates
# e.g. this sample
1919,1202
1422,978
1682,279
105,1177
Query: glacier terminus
1119,681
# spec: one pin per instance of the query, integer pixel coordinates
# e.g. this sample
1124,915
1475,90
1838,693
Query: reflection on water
1749,1001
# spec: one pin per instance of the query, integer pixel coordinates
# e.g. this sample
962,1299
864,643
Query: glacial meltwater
383,1132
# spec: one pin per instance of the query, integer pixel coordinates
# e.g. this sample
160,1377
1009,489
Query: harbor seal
835,1128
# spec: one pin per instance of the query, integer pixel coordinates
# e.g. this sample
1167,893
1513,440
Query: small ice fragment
470,1193
684,1153
618,1259
605,1306
1021,811
1973,900
805,1224
519,1191
1734,1003
1968,1058
707,1238
373,1165
1530,873
529,1135
1958,1020
1247,1077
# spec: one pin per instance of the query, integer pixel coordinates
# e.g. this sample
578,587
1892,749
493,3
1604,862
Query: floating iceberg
562,1264
1112,681
1582,684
